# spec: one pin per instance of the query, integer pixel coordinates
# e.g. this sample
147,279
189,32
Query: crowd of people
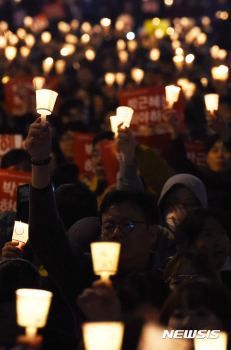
171,218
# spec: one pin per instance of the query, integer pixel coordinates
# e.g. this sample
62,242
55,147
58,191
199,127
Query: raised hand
217,123
13,250
38,141
100,303
126,143
172,119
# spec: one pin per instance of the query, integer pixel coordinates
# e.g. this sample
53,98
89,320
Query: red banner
83,152
9,182
20,95
55,10
148,103
160,143
8,142
111,156
195,152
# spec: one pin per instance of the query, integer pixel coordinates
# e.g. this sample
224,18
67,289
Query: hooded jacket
165,245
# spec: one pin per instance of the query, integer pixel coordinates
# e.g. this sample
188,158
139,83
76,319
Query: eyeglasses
125,226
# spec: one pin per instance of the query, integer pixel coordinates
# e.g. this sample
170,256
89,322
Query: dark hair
145,203
214,296
199,260
191,227
66,173
103,135
75,202
70,103
210,142
15,274
15,157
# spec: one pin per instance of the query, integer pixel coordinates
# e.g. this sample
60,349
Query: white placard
20,232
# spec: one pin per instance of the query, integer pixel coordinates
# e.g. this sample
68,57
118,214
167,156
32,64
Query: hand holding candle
45,101
211,102
105,258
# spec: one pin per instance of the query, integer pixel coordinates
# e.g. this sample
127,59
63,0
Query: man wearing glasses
130,219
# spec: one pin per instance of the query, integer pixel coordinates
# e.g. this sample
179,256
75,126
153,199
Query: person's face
181,195
219,158
97,163
186,318
213,241
66,144
135,245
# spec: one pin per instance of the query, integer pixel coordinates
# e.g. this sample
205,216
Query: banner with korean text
148,103
9,142
9,182
83,154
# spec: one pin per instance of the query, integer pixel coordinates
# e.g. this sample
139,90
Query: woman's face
219,158
186,318
213,241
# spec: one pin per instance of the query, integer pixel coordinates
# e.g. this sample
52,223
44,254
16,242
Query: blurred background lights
105,22
179,51
170,31
85,38
46,37
156,21
64,51
159,33
189,58
130,35
90,54
168,2
5,79
86,27
155,54
28,21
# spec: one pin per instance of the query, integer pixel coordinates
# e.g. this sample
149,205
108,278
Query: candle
120,78
45,101
172,94
103,335
32,307
212,344
137,74
124,115
38,82
109,78
105,258
211,102
20,232
114,124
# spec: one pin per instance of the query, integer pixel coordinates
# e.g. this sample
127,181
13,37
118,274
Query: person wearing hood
181,194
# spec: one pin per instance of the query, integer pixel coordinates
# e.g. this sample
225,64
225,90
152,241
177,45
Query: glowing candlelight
212,344
60,66
10,52
103,335
120,78
154,54
109,78
38,82
124,115
20,232
47,64
45,101
105,258
132,45
114,124
178,61
24,51
137,74
211,102
172,94
46,37
32,309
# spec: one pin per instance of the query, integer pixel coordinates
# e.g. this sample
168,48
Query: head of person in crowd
67,138
75,202
189,265
181,194
66,173
97,160
198,305
218,155
206,231
72,110
15,274
57,157
16,159
130,219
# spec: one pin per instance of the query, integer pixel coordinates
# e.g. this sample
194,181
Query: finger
102,284
9,255
14,250
12,243
120,125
